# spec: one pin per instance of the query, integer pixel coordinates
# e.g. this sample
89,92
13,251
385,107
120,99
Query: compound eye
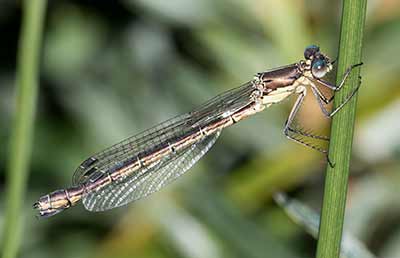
319,68
310,51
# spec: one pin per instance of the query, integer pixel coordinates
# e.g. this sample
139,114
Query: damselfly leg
322,99
341,84
300,135
297,135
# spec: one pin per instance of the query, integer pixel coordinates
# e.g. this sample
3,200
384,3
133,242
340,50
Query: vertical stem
333,207
22,129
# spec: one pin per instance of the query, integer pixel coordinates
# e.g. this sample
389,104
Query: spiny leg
308,134
338,87
321,98
291,120
291,133
338,108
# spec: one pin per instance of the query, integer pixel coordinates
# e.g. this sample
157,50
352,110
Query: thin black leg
322,99
292,133
338,87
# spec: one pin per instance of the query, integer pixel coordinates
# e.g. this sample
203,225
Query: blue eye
319,68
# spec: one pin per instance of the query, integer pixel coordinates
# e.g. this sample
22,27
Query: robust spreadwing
144,163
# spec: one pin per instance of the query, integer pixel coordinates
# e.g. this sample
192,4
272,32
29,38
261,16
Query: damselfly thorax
144,163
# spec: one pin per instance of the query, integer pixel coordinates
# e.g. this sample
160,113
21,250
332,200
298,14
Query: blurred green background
111,69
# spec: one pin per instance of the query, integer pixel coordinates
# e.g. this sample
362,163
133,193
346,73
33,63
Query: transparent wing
120,153
146,182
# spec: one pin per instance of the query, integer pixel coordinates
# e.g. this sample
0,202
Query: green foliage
22,136
340,149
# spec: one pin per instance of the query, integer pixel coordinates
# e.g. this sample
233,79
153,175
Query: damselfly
144,163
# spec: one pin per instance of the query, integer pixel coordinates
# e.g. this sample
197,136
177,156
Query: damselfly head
320,63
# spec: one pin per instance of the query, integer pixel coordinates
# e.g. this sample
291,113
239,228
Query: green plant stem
334,202
23,124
